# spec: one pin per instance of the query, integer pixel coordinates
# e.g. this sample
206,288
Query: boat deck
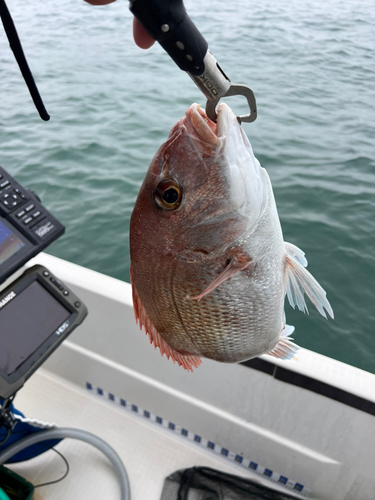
150,453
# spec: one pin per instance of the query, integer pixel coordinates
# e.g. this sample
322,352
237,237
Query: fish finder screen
26,321
9,243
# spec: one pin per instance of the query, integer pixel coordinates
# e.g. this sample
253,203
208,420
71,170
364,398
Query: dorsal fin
300,281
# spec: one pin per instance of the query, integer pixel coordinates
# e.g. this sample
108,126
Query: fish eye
168,194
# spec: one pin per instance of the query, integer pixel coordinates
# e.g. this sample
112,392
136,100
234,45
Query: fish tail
300,281
186,360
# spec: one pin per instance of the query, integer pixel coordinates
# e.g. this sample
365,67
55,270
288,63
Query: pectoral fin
288,331
232,267
300,281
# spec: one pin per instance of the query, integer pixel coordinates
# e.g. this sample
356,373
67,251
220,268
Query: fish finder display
37,313
9,243
22,334
26,226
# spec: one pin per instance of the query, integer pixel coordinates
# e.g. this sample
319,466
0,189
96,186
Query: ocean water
311,66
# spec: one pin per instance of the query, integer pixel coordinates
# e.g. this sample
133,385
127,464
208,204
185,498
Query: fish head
203,190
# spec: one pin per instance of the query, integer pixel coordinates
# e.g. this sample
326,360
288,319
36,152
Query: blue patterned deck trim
215,448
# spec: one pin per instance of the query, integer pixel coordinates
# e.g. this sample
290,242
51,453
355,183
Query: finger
141,37
99,2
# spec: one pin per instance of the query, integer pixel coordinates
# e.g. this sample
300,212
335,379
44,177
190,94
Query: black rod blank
16,47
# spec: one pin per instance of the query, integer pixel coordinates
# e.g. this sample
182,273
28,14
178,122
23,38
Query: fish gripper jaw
215,84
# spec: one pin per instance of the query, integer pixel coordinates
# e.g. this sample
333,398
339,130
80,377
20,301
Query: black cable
62,477
7,419
16,47
3,441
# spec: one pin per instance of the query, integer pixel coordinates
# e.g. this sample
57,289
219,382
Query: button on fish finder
29,207
57,283
19,192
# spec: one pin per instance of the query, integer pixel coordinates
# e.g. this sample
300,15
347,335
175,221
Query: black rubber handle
167,22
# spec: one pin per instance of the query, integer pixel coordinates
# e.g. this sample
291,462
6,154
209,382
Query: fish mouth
202,130
209,137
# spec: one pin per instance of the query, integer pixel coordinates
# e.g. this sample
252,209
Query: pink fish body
209,266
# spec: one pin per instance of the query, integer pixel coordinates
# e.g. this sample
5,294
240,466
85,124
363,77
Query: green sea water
311,66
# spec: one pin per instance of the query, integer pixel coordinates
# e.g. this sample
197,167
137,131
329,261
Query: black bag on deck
203,483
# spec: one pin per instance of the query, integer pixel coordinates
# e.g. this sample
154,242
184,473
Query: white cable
66,432
34,422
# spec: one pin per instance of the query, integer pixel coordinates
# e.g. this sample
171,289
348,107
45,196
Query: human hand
141,37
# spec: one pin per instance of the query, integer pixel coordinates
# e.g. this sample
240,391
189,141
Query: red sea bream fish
209,266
